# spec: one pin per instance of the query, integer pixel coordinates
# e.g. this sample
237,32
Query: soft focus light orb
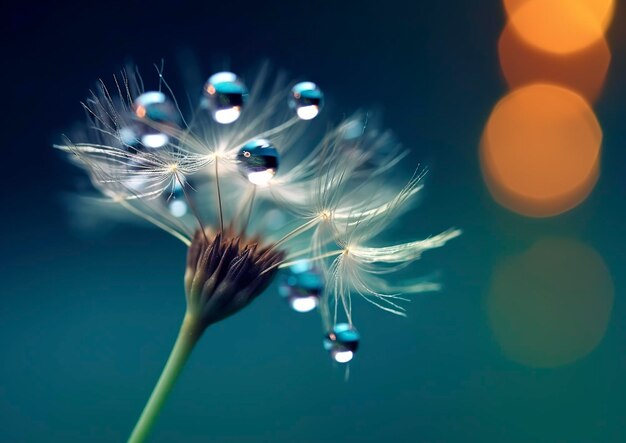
560,26
540,151
552,304
307,100
583,71
178,208
155,140
225,96
258,161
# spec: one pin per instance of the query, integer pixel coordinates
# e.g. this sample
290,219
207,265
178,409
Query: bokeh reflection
540,150
551,305
583,71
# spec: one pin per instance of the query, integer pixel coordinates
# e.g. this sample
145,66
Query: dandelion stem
190,332
293,262
156,222
299,230
250,207
219,195
192,205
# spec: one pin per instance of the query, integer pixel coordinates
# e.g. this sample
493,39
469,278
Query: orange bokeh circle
583,71
540,150
560,26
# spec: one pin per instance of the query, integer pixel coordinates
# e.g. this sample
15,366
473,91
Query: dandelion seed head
245,183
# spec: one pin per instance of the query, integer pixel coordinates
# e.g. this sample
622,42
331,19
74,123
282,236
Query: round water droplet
155,113
302,286
307,100
225,96
258,161
342,342
176,201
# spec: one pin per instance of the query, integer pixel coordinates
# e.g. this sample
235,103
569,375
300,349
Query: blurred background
515,106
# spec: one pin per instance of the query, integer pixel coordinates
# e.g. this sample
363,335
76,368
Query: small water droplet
342,342
307,100
225,96
258,161
302,286
154,114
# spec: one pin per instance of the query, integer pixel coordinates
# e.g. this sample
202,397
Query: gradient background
87,321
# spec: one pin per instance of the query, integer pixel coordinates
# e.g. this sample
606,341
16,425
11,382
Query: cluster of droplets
302,287
225,96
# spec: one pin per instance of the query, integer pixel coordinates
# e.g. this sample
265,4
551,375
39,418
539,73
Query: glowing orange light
140,111
540,151
583,71
552,304
560,26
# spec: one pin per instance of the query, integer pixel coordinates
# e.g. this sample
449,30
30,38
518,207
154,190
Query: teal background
87,321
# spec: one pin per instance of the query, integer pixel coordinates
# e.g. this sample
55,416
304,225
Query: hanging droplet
176,201
307,100
342,342
258,161
225,96
302,286
155,113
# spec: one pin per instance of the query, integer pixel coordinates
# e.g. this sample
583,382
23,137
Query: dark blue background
87,322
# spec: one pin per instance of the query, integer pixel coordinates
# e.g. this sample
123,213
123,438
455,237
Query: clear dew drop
225,96
342,342
176,202
154,114
302,287
258,161
307,100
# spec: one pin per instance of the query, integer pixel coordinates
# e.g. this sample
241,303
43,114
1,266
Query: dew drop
307,100
302,287
154,113
342,342
225,96
258,161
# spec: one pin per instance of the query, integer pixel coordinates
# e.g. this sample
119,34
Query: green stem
188,336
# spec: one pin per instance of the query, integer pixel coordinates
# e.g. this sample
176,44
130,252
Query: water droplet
154,113
258,161
176,201
302,286
225,96
307,100
342,342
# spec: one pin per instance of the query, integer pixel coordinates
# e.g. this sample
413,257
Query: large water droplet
154,113
342,342
307,100
225,95
302,286
258,161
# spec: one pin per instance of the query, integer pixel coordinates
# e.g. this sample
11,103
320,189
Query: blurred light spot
227,116
343,356
550,305
540,151
304,304
178,208
155,140
261,178
560,26
583,71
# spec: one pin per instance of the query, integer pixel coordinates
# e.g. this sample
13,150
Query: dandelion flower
246,186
